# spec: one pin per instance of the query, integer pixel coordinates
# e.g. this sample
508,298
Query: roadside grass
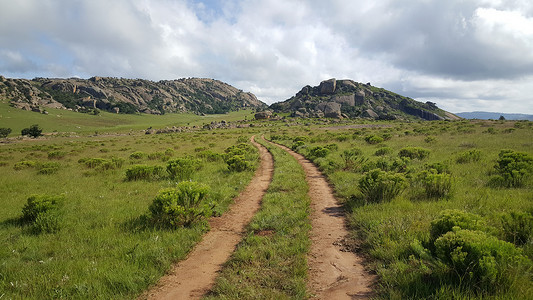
103,250
58,120
270,262
395,235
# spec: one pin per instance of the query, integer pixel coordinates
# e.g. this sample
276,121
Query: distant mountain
349,99
197,95
483,115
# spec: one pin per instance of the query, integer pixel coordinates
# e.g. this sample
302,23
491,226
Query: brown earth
194,276
334,271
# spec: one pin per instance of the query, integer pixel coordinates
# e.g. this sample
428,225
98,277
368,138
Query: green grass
270,262
394,233
102,250
59,120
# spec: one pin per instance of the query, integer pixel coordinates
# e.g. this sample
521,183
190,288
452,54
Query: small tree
34,131
4,132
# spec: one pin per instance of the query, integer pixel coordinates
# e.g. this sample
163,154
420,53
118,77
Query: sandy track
194,276
334,273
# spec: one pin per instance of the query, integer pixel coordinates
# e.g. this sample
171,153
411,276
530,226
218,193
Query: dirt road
334,273
194,276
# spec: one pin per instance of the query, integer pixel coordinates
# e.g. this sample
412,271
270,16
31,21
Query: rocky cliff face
120,95
349,99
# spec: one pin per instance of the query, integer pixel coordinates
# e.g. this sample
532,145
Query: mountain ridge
485,115
121,95
349,99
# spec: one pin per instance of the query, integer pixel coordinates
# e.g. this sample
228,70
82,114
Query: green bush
56,154
469,156
137,155
430,139
210,156
383,151
47,168
143,172
239,149
4,132
25,164
181,206
373,139
517,227
318,151
350,157
479,260
380,186
297,145
34,131
42,212
436,185
512,169
102,164
183,168
453,219
414,152
238,163
439,167
332,147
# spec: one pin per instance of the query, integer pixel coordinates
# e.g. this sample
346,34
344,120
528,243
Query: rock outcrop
349,99
197,95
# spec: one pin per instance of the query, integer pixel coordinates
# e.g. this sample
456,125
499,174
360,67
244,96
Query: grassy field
456,172
432,214
58,120
103,249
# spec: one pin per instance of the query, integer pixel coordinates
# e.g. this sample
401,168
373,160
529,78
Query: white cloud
461,54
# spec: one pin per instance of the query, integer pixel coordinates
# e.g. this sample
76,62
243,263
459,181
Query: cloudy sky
465,55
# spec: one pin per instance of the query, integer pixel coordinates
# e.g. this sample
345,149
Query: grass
58,120
270,262
394,234
101,250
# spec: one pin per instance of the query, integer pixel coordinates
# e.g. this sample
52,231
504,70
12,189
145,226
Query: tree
4,132
502,118
33,131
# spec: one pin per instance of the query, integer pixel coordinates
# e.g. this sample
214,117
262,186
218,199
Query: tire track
334,273
195,275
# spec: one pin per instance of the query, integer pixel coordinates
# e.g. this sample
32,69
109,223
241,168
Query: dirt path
334,273
194,276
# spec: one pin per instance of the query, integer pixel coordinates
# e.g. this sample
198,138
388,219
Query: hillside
349,99
119,95
483,115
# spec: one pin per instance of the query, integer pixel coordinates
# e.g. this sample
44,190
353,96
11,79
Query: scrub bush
414,153
42,213
183,168
435,184
318,151
238,163
517,227
512,169
350,157
383,151
143,172
380,186
181,206
453,219
469,156
373,139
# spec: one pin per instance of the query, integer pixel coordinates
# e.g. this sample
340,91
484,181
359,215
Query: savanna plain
100,210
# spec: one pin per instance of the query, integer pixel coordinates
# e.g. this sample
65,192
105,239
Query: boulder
370,114
328,86
263,115
332,110
345,99
360,97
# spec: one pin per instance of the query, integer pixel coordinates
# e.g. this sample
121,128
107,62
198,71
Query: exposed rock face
196,95
328,86
346,98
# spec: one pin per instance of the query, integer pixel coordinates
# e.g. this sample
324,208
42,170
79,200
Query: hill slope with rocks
349,99
197,95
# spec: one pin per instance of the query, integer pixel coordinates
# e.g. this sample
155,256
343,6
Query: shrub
181,206
386,136
239,149
468,156
238,163
56,154
143,172
25,164
349,157
373,139
332,147
517,227
430,139
379,186
297,145
47,168
436,185
42,212
4,132
318,151
453,219
183,168
33,131
383,151
513,169
210,156
414,152
439,167
137,155
480,260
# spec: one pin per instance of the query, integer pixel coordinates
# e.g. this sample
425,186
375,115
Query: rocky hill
349,99
197,95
